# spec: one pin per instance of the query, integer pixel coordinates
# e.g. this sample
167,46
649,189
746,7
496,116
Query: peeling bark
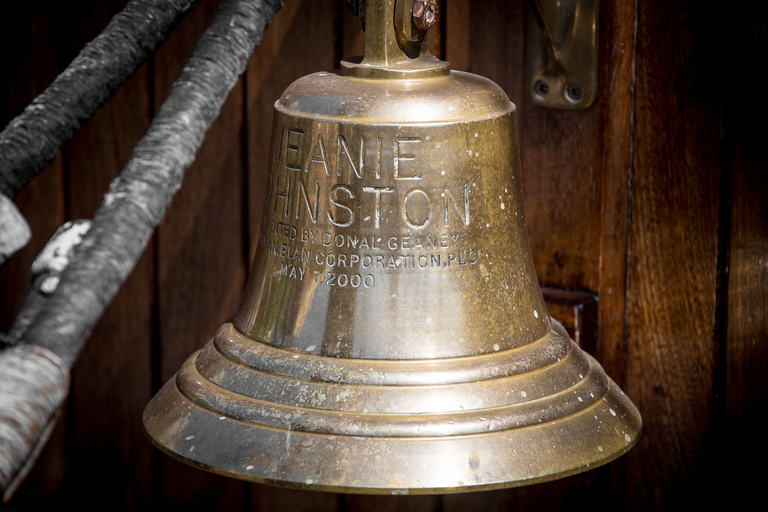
14,230
137,199
33,384
31,140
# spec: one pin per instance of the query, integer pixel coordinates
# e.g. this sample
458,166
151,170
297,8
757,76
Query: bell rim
173,420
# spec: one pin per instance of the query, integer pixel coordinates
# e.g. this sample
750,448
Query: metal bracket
561,67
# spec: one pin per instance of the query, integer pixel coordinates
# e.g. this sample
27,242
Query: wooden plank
200,257
352,35
617,32
112,381
673,256
300,40
27,50
561,164
577,311
572,163
358,502
266,498
747,286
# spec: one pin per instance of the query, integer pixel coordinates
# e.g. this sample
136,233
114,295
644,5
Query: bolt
541,88
424,14
573,92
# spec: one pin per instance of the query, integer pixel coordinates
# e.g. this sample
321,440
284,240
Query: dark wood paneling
201,256
28,51
673,255
282,57
301,39
747,296
112,380
574,166
637,199
616,83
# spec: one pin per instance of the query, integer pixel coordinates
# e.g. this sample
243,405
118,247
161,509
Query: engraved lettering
342,146
378,159
270,188
302,193
400,173
447,192
277,143
377,203
284,195
343,206
292,153
313,156
407,216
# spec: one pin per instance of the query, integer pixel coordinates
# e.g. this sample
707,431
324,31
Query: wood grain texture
668,129
281,58
564,171
201,256
300,40
118,354
673,256
616,83
28,48
747,308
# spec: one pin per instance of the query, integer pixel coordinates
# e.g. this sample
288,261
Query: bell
393,337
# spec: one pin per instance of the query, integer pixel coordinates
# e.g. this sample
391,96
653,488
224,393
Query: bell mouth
268,414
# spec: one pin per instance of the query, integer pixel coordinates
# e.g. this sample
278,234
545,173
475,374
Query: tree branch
31,140
14,230
137,200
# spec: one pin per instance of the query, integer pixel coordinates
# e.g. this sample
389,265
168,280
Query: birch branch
14,230
31,140
136,202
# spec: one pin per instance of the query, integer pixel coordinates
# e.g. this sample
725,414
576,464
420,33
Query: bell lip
171,417
405,491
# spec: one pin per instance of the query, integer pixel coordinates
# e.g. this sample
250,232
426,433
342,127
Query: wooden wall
654,199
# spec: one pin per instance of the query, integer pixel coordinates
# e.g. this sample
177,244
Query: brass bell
393,337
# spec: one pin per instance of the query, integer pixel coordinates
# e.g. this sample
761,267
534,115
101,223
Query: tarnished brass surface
393,337
561,64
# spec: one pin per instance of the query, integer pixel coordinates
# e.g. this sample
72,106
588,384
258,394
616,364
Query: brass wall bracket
561,66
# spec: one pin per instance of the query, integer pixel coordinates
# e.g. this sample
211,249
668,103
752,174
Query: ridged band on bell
392,336
265,413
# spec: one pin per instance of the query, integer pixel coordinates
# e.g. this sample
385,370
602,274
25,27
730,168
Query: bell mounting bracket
561,64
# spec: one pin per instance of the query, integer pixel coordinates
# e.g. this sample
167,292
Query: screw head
424,14
573,92
541,88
